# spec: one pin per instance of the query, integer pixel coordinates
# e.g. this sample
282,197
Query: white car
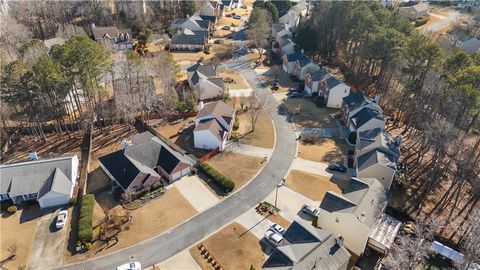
61,219
273,237
277,228
307,209
130,266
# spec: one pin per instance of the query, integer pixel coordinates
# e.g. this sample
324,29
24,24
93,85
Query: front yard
238,81
311,185
264,134
305,113
324,150
284,80
240,168
234,247
17,232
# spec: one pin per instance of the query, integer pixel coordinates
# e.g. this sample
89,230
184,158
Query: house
144,160
213,125
307,246
325,84
291,18
377,138
463,40
113,38
472,5
279,30
192,23
302,66
189,40
300,8
367,118
354,213
284,46
211,8
379,163
204,81
353,103
232,4
416,11
289,61
50,182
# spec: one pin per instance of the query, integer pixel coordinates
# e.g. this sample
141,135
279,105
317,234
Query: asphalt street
168,244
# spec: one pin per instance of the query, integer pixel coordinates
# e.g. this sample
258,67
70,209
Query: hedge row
85,223
219,178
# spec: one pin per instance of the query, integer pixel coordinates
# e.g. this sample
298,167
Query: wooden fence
209,155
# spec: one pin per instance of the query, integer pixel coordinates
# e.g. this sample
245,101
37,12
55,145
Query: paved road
168,244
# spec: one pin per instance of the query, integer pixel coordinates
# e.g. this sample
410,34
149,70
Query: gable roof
376,156
302,232
207,70
355,100
58,182
186,39
111,31
218,81
319,75
218,109
213,126
303,61
365,115
368,196
378,138
294,56
32,176
120,167
211,19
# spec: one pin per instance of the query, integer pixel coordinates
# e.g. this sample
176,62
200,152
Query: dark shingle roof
207,70
334,202
211,19
332,81
366,114
212,125
203,23
294,56
184,39
375,156
303,60
300,232
277,259
355,100
319,75
218,108
121,168
218,81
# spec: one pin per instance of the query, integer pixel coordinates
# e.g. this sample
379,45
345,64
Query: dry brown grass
279,220
229,21
240,82
149,220
240,168
311,185
18,230
284,80
305,113
323,150
234,247
431,20
264,134
220,33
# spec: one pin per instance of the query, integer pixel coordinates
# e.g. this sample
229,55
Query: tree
145,36
255,107
282,5
303,37
471,242
270,7
259,29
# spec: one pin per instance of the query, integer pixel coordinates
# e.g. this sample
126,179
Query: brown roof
213,126
219,109
111,31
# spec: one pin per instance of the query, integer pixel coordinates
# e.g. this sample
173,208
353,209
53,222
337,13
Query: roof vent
339,240
126,144
362,217
33,155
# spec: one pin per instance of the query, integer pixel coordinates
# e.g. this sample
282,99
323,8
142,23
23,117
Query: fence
209,154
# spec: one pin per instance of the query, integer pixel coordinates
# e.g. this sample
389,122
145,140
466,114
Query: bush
234,135
85,222
219,178
236,125
88,246
142,192
12,209
72,201
315,222
157,184
421,22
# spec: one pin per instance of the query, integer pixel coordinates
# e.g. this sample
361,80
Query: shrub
219,178
157,184
85,222
315,222
12,209
72,201
234,135
88,246
236,125
141,192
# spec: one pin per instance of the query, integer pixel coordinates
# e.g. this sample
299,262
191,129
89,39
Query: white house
112,37
213,125
280,30
328,86
284,46
301,9
204,81
379,163
463,40
291,18
366,118
50,182
289,60
302,66
416,11
354,213
354,102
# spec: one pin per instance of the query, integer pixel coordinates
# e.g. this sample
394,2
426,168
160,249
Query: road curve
168,244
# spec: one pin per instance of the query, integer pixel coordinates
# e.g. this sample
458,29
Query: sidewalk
249,150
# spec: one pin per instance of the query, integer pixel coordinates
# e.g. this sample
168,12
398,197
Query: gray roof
376,156
218,81
364,198
37,175
378,138
184,39
214,127
332,81
111,31
219,109
294,56
319,75
200,69
355,100
365,115
303,232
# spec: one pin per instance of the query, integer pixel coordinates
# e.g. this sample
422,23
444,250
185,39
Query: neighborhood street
168,244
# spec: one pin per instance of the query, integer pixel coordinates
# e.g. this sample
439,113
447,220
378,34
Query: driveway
186,234
48,243
254,222
196,193
249,150
290,203
181,261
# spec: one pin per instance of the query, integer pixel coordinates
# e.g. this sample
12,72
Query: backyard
234,247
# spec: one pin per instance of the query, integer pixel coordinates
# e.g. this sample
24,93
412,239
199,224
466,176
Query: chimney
376,99
339,241
188,16
33,155
362,217
200,105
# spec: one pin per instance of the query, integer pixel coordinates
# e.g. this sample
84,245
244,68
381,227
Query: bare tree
255,108
471,242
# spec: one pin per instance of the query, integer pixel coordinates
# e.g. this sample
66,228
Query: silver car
309,210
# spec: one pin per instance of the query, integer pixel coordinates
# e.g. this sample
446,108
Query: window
4,196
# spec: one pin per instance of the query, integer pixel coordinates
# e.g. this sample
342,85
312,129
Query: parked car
62,218
226,27
309,210
294,94
228,15
218,41
275,86
292,89
277,228
244,6
337,167
273,237
237,17
130,266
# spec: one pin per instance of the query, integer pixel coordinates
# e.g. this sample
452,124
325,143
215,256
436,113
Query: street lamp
276,190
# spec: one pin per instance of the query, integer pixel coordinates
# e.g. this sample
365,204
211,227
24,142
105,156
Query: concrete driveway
196,193
181,261
48,243
254,222
290,203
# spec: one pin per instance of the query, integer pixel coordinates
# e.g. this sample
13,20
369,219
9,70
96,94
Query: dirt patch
148,221
323,150
240,82
220,33
97,181
264,134
311,185
24,221
279,220
284,80
240,168
305,113
229,21
233,247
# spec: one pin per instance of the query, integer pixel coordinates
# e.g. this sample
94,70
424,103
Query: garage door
51,202
186,171
176,175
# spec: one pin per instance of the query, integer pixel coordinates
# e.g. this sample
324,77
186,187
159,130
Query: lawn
284,80
240,168
305,113
233,247
184,58
239,80
18,230
279,220
264,134
323,150
229,21
149,220
311,185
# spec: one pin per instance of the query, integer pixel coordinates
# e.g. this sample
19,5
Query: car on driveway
337,167
309,210
62,218
226,27
130,266
292,90
228,15
273,237
277,228
237,17
294,94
